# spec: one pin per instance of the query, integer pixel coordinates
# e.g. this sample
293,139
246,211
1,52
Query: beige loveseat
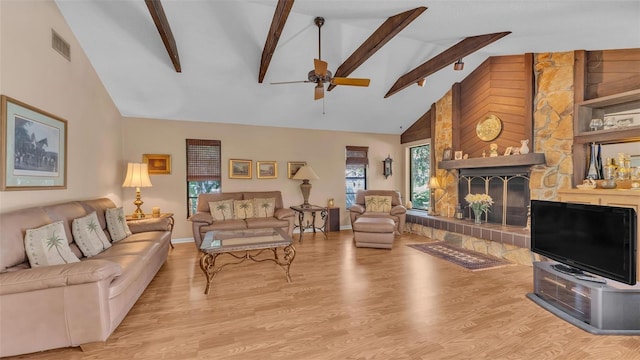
397,211
79,303
203,221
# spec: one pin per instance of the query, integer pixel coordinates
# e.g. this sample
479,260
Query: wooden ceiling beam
283,8
162,24
465,47
385,32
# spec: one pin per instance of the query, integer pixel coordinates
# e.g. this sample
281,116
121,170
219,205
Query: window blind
203,160
357,155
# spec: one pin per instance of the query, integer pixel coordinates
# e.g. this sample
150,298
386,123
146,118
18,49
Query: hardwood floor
346,303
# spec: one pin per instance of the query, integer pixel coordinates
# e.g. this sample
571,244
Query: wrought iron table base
208,261
300,210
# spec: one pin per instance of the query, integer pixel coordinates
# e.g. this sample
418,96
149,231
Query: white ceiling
220,43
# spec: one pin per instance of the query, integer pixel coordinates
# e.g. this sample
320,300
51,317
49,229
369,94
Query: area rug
468,259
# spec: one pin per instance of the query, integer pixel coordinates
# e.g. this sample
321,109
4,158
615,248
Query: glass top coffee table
257,245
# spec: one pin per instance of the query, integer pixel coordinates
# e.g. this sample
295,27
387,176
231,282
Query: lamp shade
433,183
306,173
137,176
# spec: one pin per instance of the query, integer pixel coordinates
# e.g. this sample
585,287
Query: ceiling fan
320,75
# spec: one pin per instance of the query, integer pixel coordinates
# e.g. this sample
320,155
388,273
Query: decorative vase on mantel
524,148
478,215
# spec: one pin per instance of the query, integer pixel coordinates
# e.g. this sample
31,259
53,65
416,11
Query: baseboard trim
182,240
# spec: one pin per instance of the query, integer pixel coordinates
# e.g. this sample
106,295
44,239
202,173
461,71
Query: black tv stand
594,307
567,269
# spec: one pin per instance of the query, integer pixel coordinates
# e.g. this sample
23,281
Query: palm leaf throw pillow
377,203
48,245
117,224
89,236
243,209
221,210
264,208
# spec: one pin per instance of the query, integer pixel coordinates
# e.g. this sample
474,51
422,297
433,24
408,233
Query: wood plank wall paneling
611,72
499,86
502,86
420,130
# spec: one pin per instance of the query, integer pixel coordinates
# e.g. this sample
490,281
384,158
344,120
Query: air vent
60,45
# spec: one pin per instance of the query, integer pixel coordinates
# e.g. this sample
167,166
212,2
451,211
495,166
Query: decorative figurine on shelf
587,184
524,149
493,150
484,154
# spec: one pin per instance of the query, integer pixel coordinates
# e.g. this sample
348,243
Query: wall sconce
386,166
421,82
459,65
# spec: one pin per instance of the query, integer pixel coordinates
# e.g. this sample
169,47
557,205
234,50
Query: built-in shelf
626,134
625,97
599,108
494,162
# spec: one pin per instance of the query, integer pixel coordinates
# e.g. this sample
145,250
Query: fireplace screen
510,194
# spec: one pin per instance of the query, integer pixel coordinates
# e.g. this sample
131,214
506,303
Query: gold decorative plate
489,128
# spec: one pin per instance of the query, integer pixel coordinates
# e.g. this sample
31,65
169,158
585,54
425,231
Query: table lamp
137,177
305,174
434,185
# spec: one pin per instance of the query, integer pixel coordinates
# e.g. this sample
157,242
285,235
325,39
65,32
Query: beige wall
32,72
323,150
101,142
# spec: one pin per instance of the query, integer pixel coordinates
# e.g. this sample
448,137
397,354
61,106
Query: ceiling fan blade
290,82
319,91
320,67
350,81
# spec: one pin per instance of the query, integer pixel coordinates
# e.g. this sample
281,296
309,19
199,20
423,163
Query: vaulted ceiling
220,45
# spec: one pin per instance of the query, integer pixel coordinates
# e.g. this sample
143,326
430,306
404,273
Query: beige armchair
396,211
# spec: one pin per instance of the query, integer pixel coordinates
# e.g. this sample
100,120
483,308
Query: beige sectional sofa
79,303
203,220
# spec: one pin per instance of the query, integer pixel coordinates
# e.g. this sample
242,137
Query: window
356,172
204,170
419,170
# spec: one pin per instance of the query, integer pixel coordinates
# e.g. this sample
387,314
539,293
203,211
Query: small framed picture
508,150
293,167
240,169
458,155
267,169
159,164
446,154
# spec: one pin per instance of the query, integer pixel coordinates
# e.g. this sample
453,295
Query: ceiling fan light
459,65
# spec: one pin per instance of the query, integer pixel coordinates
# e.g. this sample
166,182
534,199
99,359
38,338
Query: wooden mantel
494,162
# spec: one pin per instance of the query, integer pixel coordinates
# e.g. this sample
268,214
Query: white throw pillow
243,209
377,203
264,207
89,236
48,245
117,224
221,210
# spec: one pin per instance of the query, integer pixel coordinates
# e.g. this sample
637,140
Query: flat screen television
598,239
